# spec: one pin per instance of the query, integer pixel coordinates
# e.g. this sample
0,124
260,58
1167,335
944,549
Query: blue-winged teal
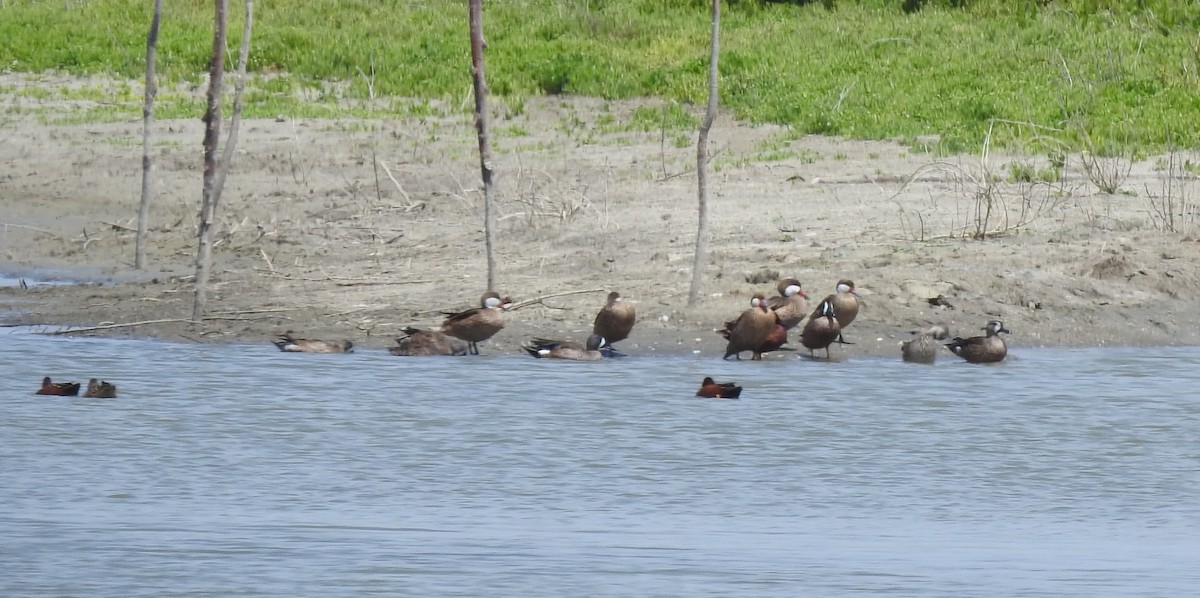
417,342
792,303
290,344
615,319
62,389
982,349
823,329
548,349
718,390
478,324
925,347
750,330
100,389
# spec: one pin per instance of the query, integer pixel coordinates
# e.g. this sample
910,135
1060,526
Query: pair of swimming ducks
461,332
96,389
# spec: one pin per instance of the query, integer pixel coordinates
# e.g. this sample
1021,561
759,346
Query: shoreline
312,237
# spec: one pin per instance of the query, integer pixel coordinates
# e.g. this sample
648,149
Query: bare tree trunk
212,135
235,121
710,114
139,260
485,150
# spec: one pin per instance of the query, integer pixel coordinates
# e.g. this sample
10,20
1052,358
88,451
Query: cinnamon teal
710,389
62,389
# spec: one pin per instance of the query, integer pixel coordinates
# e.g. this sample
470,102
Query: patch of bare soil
355,229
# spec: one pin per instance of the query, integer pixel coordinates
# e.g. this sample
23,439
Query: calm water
244,471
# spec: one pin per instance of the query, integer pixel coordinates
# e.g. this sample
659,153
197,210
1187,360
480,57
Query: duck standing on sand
822,329
60,389
615,320
710,389
845,305
791,305
925,347
478,324
547,349
982,349
750,330
99,389
290,344
416,342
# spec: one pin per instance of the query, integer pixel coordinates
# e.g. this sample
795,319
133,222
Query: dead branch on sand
149,322
536,300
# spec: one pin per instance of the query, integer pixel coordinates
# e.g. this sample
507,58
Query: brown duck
982,349
845,304
478,324
710,389
792,303
615,319
547,349
290,344
100,389
924,348
417,342
750,330
822,329
62,389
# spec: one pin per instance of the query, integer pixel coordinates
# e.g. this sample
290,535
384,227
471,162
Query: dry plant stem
710,114
139,260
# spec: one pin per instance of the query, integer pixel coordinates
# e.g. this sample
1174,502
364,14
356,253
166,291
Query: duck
982,349
823,329
477,324
924,348
61,389
290,344
548,349
750,330
416,342
792,303
615,320
710,389
100,389
845,304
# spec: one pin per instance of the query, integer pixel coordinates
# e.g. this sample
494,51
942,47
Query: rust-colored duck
61,389
416,342
750,330
99,389
478,324
822,329
615,320
290,344
710,389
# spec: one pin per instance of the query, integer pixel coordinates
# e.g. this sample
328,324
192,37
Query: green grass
1115,72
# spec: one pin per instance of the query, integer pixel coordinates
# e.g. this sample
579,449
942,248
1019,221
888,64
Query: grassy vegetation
1096,73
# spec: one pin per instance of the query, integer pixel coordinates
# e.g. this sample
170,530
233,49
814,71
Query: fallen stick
144,323
528,302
